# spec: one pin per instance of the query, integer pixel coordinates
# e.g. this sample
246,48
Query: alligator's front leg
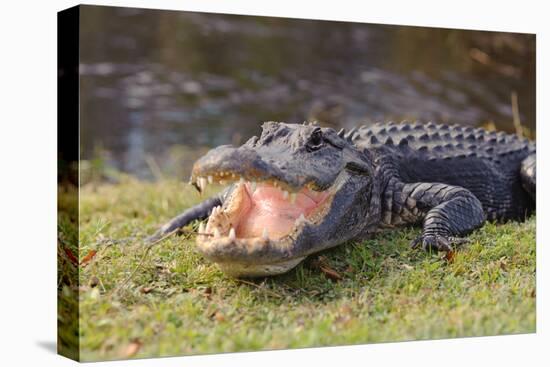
448,213
199,211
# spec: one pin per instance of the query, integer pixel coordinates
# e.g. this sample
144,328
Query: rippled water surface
158,88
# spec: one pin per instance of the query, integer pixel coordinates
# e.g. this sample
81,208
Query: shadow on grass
342,271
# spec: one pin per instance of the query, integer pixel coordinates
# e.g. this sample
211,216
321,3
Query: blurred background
159,88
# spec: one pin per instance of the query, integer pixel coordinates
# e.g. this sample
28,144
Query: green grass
179,303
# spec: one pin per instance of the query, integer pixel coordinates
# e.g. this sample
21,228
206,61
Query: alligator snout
227,163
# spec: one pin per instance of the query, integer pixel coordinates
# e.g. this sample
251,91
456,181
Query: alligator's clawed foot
437,242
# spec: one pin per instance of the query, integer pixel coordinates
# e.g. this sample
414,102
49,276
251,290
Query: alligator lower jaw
257,217
239,270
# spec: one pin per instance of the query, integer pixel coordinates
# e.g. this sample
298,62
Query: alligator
298,189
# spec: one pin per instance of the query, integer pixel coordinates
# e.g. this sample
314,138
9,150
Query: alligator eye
315,141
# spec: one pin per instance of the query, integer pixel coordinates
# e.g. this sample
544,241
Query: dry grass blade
70,255
322,264
515,114
131,349
88,258
450,256
330,273
260,287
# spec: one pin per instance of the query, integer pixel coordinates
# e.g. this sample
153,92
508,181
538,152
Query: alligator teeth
253,186
265,234
293,197
210,179
301,219
285,194
201,183
201,228
216,233
241,181
232,234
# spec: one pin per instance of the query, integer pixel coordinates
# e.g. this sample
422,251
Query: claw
442,244
437,242
458,240
416,242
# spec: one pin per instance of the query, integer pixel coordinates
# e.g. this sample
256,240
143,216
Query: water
158,88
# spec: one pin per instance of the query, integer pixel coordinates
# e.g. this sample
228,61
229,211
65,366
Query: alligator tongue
271,210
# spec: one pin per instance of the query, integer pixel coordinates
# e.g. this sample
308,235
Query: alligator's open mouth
256,217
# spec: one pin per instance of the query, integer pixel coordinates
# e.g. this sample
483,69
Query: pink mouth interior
268,208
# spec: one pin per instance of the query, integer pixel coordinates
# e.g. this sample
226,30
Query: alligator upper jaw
254,233
227,163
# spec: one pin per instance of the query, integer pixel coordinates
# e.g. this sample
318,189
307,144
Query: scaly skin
449,179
